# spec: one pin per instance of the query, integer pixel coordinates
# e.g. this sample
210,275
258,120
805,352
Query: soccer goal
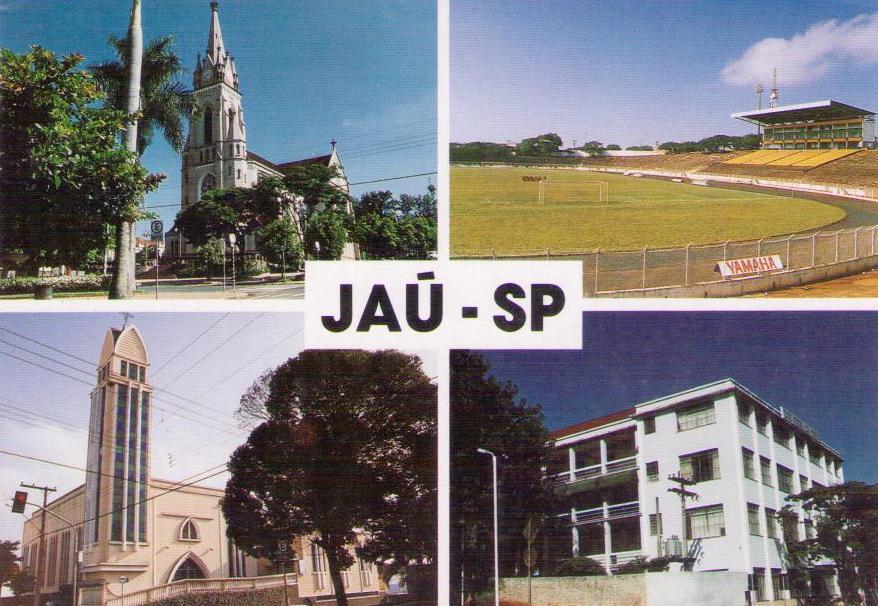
574,192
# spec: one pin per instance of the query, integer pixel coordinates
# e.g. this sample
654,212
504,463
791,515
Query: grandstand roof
803,112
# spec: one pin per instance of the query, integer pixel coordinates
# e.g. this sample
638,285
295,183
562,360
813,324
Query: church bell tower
215,154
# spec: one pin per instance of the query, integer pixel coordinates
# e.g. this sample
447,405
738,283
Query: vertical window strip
119,462
131,470
143,475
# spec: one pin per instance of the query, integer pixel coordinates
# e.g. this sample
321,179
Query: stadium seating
791,157
826,156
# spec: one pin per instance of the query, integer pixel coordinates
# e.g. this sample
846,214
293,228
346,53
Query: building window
652,471
655,524
780,582
781,436
762,423
757,583
188,570
803,483
785,479
207,184
770,523
753,519
705,522
239,173
132,372
800,448
696,416
749,469
744,413
814,455
810,531
649,425
701,466
238,149
208,126
189,531
142,374
123,368
765,468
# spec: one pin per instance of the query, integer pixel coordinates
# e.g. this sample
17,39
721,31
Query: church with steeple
216,153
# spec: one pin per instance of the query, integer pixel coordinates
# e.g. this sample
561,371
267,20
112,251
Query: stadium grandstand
820,125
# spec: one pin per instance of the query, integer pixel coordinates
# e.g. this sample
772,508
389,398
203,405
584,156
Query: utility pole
684,494
41,549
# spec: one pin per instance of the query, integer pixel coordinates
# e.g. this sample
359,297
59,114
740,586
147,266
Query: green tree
21,583
326,233
479,151
211,254
278,242
543,145
63,173
9,561
487,413
613,147
347,455
845,518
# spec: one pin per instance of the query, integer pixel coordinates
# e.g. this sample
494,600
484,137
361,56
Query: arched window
189,530
189,569
238,149
208,126
208,183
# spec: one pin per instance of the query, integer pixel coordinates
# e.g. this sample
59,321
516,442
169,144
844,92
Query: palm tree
164,104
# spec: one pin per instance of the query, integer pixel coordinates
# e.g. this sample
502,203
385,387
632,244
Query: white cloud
808,56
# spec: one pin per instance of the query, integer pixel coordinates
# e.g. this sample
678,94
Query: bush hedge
230,598
578,567
27,285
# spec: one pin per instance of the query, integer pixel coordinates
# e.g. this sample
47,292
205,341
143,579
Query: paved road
291,290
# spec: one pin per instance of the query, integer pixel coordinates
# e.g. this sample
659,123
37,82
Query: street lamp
232,239
496,529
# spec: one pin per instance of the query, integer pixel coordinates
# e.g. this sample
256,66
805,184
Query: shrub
579,567
27,285
643,564
229,598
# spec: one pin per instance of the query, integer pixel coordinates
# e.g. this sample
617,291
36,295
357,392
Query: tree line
551,144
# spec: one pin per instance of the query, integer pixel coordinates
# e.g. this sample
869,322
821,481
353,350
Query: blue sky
363,73
819,365
634,72
188,438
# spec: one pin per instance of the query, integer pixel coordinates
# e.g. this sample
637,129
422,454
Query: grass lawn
492,208
59,295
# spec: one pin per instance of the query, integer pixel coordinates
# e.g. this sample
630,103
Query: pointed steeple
215,46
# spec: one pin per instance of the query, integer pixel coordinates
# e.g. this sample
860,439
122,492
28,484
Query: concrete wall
690,589
622,590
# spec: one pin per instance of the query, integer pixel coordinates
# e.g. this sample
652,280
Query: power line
201,359
188,345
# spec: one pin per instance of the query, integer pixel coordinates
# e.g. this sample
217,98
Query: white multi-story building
744,458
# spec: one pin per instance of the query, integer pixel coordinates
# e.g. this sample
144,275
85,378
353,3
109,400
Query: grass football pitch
494,209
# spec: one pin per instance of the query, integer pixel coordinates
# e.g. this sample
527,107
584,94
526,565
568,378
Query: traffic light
19,501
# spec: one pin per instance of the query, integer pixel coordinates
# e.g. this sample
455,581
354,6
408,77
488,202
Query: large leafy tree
487,413
845,518
347,454
543,145
399,228
64,174
279,243
9,566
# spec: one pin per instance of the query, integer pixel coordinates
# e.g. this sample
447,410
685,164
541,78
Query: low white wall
696,588
620,590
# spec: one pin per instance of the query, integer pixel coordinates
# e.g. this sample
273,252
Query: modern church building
740,458
216,154
152,533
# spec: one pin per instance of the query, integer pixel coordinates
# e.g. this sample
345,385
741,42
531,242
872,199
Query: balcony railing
611,512
598,470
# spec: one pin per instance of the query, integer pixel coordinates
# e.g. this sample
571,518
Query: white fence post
814,249
597,254
836,244
643,277
686,275
547,253
725,250
759,247
789,239
493,255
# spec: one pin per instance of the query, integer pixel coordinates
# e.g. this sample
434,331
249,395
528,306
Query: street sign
284,552
156,227
19,501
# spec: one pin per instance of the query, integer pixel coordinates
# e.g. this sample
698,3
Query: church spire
215,46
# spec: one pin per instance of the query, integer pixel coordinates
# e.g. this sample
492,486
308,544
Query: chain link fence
615,271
